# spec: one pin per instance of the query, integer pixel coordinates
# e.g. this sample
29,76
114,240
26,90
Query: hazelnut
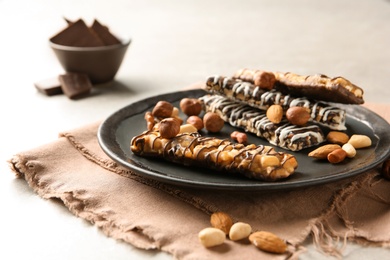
264,79
162,109
275,113
241,138
169,127
298,115
385,171
213,122
196,121
190,106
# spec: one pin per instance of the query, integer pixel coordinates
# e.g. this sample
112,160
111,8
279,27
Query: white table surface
175,43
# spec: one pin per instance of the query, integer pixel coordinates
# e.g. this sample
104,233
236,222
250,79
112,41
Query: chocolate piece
104,33
319,87
49,87
321,112
255,162
284,134
75,85
77,34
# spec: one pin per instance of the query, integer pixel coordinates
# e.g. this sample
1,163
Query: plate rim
107,132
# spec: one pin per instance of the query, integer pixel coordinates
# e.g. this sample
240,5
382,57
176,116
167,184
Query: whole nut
264,79
213,122
210,237
222,221
298,115
169,127
337,156
275,113
162,109
241,138
360,141
336,137
190,106
268,242
196,121
323,151
239,230
349,149
385,171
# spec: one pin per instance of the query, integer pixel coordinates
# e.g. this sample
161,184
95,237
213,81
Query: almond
298,115
360,141
349,149
210,237
239,230
323,151
275,113
221,221
268,242
336,137
337,156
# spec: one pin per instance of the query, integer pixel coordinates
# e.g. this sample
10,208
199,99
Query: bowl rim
124,43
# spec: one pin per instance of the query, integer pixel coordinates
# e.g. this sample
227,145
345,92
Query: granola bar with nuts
256,162
320,112
283,134
321,87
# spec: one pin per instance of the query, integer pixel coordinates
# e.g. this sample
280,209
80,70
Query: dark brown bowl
100,63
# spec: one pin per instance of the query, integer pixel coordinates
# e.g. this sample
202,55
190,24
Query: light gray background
175,43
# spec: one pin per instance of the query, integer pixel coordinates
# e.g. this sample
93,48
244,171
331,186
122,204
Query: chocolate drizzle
217,154
253,120
235,89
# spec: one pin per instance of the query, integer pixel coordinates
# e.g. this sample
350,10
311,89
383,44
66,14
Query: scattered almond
336,137
210,237
239,230
349,149
275,113
337,156
323,151
268,242
221,221
360,141
298,115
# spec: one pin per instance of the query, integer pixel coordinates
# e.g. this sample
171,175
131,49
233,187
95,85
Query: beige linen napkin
153,215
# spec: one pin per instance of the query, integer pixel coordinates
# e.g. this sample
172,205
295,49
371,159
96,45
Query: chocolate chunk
104,33
49,87
75,85
77,34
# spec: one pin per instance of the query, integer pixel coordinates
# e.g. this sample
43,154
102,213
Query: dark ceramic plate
116,132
